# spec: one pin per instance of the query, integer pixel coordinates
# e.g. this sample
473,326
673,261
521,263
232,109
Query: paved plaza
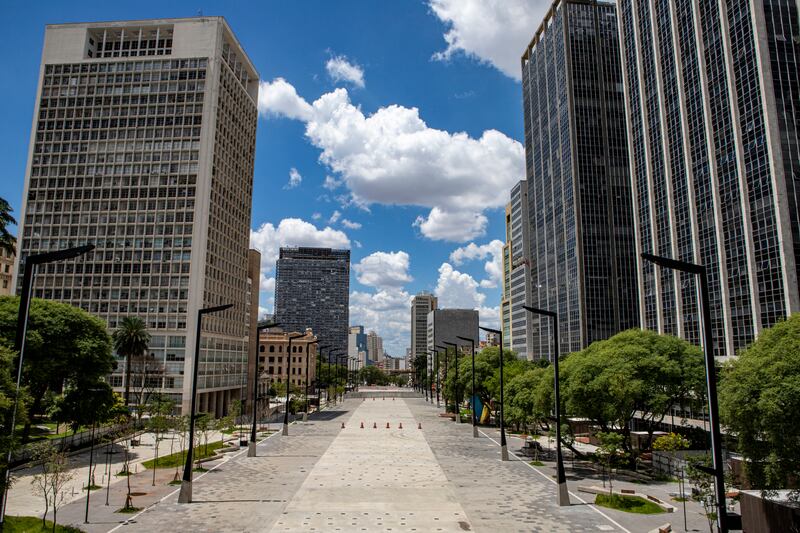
323,477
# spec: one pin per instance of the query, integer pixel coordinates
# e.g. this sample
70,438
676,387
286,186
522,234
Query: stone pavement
324,478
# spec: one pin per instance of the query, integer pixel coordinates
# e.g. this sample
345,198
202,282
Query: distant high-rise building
713,111
422,304
274,356
143,144
582,252
374,347
517,334
446,325
357,345
312,289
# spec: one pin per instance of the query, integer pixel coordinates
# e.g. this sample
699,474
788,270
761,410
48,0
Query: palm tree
7,241
130,340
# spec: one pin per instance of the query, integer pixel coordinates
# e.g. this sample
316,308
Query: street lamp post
319,375
186,484
341,371
718,468
436,374
424,372
291,337
446,357
472,400
305,414
503,446
251,446
561,477
455,392
31,262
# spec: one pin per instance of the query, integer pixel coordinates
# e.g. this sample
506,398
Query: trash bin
243,442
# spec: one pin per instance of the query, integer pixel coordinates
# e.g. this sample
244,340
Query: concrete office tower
374,347
143,144
253,286
517,334
583,263
713,100
448,325
357,345
422,304
312,290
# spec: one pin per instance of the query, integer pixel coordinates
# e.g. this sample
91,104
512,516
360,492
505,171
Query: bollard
401,426
362,424
387,425
374,425
419,425
342,425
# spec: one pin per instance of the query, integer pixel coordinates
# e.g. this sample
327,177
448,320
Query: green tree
633,371
610,451
7,241
7,393
760,404
131,340
703,488
50,482
487,372
524,407
672,443
372,375
65,346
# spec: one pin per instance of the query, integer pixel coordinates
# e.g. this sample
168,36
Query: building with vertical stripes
582,253
713,111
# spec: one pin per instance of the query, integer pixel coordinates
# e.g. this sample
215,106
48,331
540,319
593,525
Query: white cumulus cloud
349,224
493,267
384,269
492,31
458,226
393,157
295,179
332,183
459,290
387,312
334,217
279,98
342,69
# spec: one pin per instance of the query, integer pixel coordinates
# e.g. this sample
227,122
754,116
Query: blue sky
411,110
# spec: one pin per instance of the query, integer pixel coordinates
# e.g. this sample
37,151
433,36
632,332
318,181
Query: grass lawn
32,524
179,458
537,463
629,504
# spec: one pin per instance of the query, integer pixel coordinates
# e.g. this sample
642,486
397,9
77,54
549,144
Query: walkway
324,478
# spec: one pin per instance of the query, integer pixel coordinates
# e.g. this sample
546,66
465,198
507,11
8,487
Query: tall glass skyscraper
517,336
582,253
143,144
312,290
713,111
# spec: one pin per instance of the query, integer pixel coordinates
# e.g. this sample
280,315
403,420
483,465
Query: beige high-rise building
274,357
374,347
143,144
6,273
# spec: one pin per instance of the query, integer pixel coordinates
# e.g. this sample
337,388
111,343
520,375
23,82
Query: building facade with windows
374,347
312,290
357,345
143,143
446,325
517,335
421,304
581,232
6,272
713,111
280,364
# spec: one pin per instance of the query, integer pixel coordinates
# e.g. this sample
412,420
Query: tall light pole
291,337
436,374
319,375
446,358
455,392
186,484
718,468
31,262
424,372
503,446
561,476
472,400
251,446
305,414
